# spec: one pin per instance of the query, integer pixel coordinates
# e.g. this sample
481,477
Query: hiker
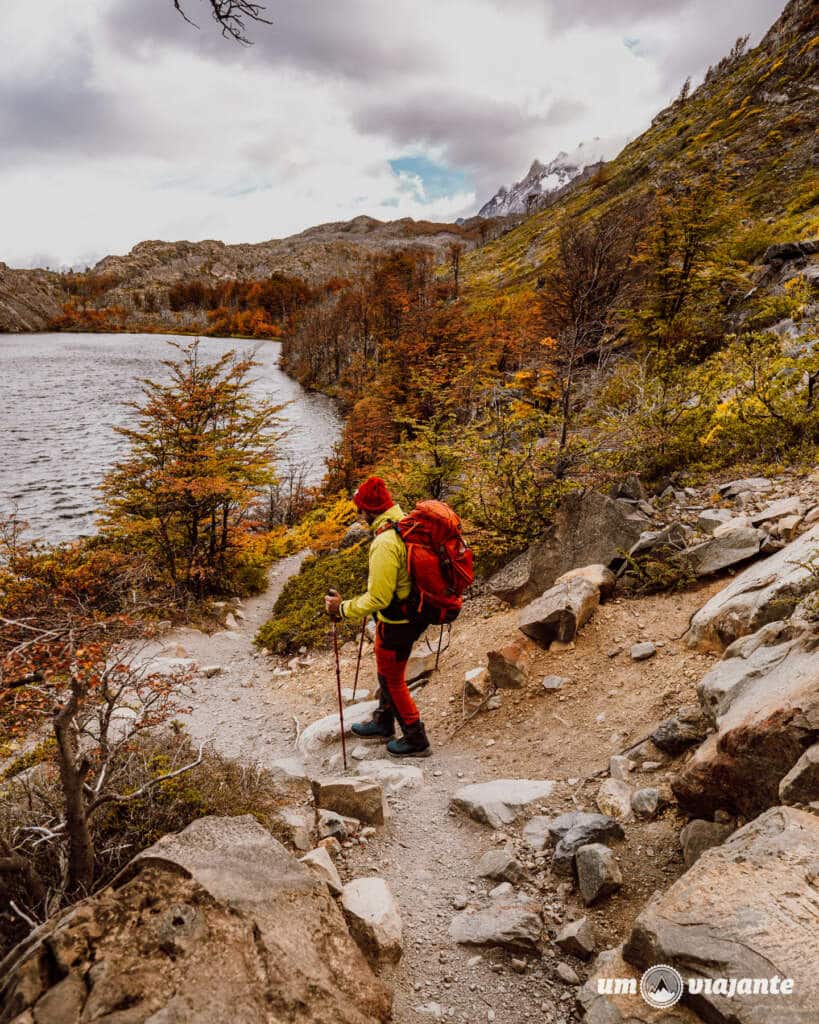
387,597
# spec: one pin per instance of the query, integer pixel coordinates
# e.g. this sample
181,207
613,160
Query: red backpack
439,561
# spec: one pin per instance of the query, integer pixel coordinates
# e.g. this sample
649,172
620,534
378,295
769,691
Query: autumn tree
200,456
581,294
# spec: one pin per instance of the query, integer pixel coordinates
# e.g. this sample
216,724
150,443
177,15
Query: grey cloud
361,40
491,139
60,110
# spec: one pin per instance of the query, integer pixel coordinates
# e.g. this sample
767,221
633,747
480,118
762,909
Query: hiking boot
382,727
413,743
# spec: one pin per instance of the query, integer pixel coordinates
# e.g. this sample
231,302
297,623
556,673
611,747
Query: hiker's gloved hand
332,604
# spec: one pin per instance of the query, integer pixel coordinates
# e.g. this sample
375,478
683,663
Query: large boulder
216,923
764,592
589,528
801,784
328,729
721,551
765,706
745,910
557,615
500,802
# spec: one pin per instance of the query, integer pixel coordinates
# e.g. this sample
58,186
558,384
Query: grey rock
577,938
327,730
394,776
589,528
574,829
501,801
356,533
599,576
685,729
764,701
567,974
765,592
643,651
698,836
746,909
661,542
501,891
476,681
558,614
614,799
784,252
209,671
551,683
373,918
356,798
237,923
620,766
513,926
336,826
507,667
777,510
501,866
748,485
598,874
646,802
801,784
723,550
712,518
296,826
319,862
536,833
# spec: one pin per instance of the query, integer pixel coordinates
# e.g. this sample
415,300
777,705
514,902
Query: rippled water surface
61,395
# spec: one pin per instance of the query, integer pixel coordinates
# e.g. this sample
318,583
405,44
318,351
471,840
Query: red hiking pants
393,646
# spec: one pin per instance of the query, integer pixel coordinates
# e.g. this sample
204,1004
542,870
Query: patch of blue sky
427,179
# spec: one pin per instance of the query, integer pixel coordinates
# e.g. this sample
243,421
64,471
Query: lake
61,395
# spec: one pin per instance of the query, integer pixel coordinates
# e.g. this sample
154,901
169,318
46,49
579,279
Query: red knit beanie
373,496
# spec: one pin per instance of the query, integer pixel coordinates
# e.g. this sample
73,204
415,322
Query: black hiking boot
413,743
382,726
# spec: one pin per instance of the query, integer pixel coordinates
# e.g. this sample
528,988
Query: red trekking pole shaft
332,593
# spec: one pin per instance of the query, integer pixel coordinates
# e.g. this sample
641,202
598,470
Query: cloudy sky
120,122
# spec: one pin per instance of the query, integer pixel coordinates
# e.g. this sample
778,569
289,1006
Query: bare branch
122,798
231,16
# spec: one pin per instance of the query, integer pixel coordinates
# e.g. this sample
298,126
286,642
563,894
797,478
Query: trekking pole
438,652
358,662
332,593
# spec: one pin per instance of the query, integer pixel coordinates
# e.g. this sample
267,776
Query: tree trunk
80,845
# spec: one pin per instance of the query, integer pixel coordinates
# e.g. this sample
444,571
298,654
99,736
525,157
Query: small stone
646,802
501,866
504,889
699,836
360,753
567,974
643,651
494,703
620,766
331,845
476,681
507,667
577,938
460,902
356,798
519,965
209,671
614,799
598,874
554,683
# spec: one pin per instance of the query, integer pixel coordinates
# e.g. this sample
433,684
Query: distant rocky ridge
31,299
542,183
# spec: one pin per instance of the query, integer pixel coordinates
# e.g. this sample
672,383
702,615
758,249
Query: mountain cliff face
542,182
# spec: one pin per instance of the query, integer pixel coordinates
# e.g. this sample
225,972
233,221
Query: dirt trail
428,855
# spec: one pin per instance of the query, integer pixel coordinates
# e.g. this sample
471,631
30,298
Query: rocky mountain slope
753,122
31,299
543,182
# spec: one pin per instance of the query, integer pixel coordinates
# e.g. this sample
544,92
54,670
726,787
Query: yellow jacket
388,576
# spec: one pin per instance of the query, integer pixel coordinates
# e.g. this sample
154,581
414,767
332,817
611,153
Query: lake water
61,395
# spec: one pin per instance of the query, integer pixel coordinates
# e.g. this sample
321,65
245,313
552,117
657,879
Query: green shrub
298,615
